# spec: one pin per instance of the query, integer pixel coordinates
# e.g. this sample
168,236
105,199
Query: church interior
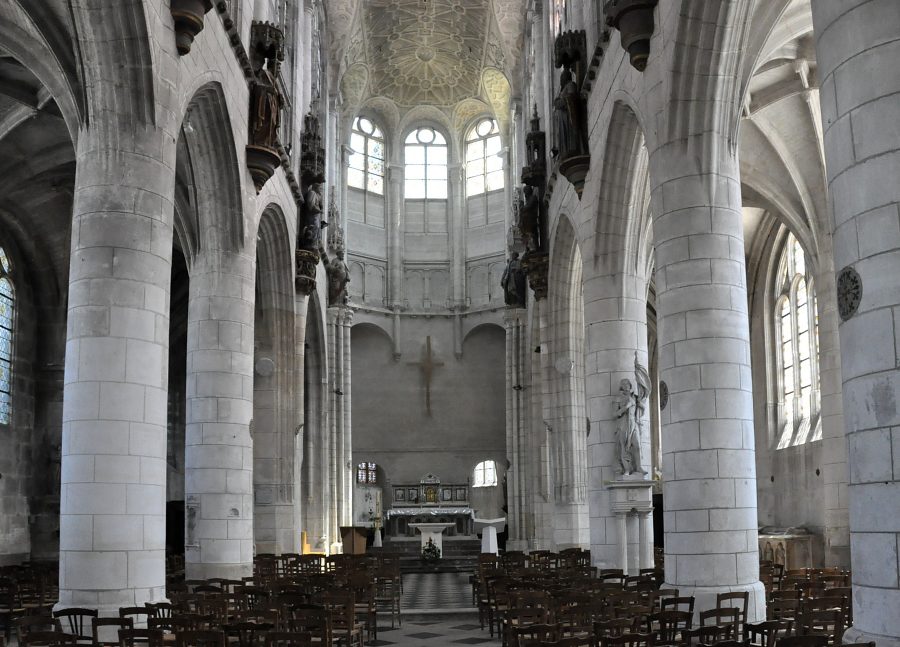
506,322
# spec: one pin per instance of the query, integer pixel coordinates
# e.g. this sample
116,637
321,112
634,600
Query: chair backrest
159,609
614,627
677,603
138,637
249,634
46,639
104,630
313,621
134,612
76,619
734,599
538,632
766,633
671,623
30,624
289,639
200,638
628,640
802,641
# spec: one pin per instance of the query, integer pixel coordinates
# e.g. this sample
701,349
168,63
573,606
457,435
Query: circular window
425,135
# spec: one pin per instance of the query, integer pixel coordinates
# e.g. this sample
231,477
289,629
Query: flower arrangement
430,552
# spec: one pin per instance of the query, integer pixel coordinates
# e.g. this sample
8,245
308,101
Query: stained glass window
797,326
7,320
366,164
426,165
484,163
367,473
485,474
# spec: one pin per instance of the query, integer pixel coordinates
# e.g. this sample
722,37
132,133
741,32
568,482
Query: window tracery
797,330
366,164
485,474
367,473
7,322
484,164
425,155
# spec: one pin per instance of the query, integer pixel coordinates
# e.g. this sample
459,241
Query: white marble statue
630,406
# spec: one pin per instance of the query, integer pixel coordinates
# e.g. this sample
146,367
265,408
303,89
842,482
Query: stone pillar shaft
709,463
113,485
517,427
857,46
219,451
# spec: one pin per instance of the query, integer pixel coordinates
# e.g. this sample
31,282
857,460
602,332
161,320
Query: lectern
354,539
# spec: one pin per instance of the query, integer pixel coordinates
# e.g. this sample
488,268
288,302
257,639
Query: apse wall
391,425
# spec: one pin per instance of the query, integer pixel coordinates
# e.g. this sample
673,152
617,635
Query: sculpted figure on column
630,407
513,283
311,222
265,116
338,278
530,218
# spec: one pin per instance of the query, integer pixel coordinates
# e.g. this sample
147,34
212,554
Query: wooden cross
427,365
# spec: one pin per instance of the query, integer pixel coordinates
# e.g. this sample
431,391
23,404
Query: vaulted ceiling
426,52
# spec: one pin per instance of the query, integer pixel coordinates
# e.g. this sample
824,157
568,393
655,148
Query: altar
427,502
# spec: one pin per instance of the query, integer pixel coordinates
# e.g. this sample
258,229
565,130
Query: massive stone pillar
341,465
113,490
858,48
709,463
219,447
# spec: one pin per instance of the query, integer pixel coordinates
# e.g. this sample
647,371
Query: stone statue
311,220
338,278
265,110
513,282
630,406
530,219
571,121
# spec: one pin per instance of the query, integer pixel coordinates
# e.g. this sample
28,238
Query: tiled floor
438,612
426,633
436,591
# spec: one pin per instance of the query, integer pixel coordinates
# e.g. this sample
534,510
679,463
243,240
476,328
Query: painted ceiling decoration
456,55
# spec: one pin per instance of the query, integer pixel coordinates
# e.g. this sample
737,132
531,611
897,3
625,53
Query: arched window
484,165
797,329
426,165
7,322
366,167
485,474
367,473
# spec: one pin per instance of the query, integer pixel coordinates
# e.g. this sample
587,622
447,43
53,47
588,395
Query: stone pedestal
633,498
489,529
432,531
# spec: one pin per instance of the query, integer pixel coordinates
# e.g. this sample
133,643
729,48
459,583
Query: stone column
394,220
857,48
339,320
458,223
219,453
113,483
518,516
347,469
709,465
622,539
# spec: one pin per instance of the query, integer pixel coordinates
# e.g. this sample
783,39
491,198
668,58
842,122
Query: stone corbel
188,16
634,20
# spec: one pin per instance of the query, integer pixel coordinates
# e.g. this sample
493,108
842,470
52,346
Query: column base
854,635
705,598
209,571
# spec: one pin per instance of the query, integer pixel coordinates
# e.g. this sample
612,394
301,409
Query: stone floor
437,610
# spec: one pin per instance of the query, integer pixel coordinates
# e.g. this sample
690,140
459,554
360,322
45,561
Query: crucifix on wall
427,365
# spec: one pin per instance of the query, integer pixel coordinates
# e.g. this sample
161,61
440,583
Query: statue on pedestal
630,406
338,278
514,283
530,219
311,219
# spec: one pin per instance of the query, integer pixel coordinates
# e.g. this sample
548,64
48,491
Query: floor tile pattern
436,591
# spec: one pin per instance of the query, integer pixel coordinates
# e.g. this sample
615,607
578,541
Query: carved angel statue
630,406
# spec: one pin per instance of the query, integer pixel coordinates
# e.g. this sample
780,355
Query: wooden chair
628,640
249,634
677,603
532,634
829,622
802,641
613,627
200,638
525,617
140,637
289,639
138,615
668,626
765,634
46,639
98,629
10,605
344,626
313,621
159,609
77,621
30,624
737,600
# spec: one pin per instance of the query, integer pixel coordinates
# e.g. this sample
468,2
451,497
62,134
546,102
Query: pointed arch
218,180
